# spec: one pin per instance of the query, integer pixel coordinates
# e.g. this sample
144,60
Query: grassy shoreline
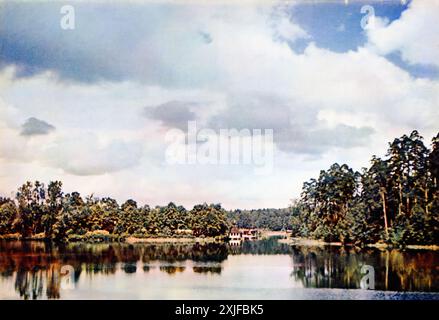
265,234
320,243
110,238
132,240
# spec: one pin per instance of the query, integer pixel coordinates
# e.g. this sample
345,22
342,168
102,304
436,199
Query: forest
40,212
48,213
395,200
271,219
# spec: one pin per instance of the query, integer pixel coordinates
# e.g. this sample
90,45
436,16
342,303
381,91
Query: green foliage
96,237
172,218
272,219
8,212
326,202
53,206
208,220
395,200
51,214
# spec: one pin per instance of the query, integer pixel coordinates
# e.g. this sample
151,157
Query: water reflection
37,265
268,246
35,268
333,267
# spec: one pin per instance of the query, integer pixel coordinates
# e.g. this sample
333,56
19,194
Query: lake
264,269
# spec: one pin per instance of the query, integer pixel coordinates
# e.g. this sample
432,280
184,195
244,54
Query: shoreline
115,239
320,243
134,240
204,240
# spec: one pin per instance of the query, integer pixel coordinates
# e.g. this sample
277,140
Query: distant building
237,234
234,234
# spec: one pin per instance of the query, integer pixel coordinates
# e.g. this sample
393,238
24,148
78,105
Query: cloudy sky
91,106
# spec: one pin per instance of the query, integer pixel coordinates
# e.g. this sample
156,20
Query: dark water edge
263,269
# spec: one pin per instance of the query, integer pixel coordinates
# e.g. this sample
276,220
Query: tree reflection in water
338,267
172,269
202,269
35,267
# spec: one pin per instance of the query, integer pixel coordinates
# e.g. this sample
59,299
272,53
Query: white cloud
415,35
85,154
102,133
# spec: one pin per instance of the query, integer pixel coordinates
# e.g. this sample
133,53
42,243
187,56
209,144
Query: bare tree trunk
426,200
383,197
400,199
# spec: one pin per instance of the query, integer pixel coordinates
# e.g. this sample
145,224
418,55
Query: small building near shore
243,234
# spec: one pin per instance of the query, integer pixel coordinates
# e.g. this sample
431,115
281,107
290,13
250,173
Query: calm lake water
253,270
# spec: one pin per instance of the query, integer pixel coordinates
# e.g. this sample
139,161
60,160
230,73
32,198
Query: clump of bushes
10,236
96,237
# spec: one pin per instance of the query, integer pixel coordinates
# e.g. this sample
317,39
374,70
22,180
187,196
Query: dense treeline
395,200
46,212
272,219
